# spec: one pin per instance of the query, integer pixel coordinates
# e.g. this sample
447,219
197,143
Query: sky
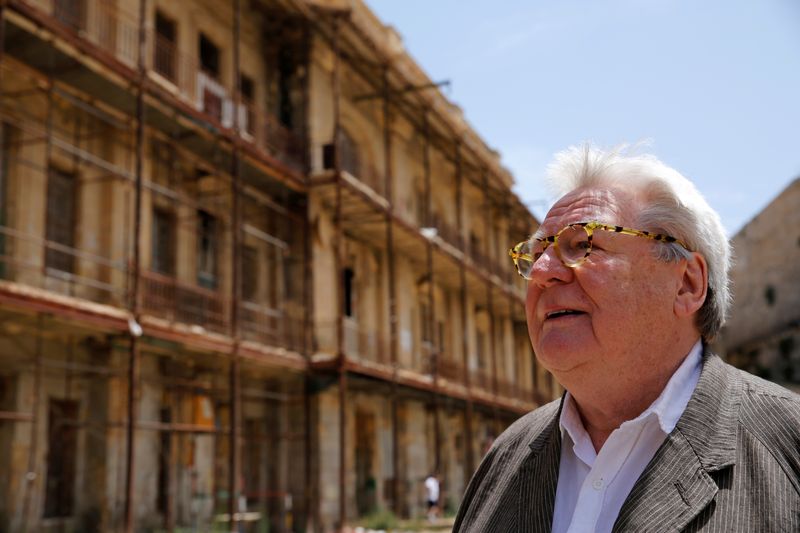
712,86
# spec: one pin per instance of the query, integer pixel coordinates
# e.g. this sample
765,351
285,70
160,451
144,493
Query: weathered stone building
763,333
252,267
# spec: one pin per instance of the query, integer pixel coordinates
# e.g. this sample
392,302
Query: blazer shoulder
528,428
771,414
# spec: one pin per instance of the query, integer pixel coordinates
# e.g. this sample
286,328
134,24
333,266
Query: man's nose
549,270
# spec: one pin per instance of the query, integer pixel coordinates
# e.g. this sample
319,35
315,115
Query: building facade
253,269
762,335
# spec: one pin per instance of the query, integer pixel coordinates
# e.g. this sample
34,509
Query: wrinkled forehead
606,205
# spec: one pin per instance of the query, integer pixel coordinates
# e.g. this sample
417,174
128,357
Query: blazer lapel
670,493
537,481
678,484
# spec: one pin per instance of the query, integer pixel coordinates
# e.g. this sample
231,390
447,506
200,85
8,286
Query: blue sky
714,85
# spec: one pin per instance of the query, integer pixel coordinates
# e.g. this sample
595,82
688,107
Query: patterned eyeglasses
573,244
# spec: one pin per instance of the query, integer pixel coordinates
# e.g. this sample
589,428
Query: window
209,56
62,449
163,242
480,346
71,13
348,153
248,93
349,158
7,138
165,46
770,295
249,273
60,224
426,324
286,67
164,462
206,250
247,87
349,300
212,92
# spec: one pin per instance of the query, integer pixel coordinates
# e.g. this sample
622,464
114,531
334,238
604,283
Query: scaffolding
157,276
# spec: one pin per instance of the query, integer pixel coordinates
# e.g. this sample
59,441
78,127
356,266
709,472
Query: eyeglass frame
589,228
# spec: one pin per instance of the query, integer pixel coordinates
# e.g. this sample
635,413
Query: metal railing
114,30
481,379
450,369
272,326
167,297
32,260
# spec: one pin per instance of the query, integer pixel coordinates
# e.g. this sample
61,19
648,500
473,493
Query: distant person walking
432,491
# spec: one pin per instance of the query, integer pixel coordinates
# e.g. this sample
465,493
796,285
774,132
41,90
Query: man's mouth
561,313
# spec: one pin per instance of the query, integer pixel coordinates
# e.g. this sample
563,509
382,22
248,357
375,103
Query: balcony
166,297
114,32
450,369
481,379
365,343
273,327
68,270
448,233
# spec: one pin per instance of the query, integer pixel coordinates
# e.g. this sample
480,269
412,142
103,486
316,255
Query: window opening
209,56
163,242
71,13
206,250
349,278
62,450
165,46
60,224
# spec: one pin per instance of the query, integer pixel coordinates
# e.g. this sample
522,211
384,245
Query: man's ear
693,287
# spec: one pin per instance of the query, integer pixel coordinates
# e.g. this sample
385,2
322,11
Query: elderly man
627,285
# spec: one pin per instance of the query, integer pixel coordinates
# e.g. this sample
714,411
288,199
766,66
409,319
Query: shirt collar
667,408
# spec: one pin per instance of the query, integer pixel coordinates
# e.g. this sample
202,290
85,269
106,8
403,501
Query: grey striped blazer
731,464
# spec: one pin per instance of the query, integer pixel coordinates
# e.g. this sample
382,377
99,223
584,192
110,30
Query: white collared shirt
593,486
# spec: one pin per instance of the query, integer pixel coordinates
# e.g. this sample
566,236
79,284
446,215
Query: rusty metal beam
470,459
487,208
33,451
338,246
391,272
234,399
435,340
134,356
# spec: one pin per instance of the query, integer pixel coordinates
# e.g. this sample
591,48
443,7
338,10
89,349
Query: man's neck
603,407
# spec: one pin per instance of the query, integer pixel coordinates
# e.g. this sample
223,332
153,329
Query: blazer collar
678,483
709,421
538,477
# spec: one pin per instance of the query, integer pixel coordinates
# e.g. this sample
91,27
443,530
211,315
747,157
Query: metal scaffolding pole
234,443
338,243
31,475
135,329
434,333
387,177
487,211
470,459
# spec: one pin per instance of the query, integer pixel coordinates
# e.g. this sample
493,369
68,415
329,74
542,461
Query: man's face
619,301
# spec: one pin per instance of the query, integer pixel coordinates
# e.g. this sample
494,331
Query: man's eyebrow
538,234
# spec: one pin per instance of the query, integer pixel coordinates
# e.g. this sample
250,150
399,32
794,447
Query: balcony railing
271,326
115,30
481,379
448,233
365,343
359,342
32,260
169,298
451,369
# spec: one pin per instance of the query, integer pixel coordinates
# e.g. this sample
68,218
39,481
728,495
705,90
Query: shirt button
597,484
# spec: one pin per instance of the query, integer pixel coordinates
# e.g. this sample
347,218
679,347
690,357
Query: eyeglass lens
572,246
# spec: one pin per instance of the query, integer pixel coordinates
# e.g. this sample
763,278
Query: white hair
670,203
